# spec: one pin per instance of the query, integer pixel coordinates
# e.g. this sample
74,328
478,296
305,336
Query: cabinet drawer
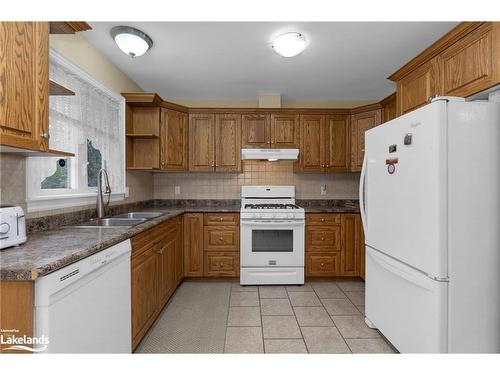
222,219
322,219
322,264
324,239
221,238
150,237
221,263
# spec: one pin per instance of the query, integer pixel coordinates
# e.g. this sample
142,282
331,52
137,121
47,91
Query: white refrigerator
430,207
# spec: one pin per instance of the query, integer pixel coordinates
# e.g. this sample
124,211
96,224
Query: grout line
337,328
227,315
261,322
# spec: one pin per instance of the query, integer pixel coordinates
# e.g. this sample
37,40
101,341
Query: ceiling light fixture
131,41
289,44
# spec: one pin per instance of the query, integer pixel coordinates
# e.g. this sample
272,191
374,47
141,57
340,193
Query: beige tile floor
224,317
319,317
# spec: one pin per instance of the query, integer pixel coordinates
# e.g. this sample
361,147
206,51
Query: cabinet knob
221,265
328,165
162,163
322,219
221,219
268,142
45,135
322,238
220,238
272,141
322,265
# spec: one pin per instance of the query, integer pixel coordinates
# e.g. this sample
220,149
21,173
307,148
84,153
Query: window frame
64,198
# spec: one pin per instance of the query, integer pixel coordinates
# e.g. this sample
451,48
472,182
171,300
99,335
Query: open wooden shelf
26,152
143,136
143,168
57,89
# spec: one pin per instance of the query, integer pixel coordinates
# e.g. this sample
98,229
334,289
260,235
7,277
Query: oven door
275,243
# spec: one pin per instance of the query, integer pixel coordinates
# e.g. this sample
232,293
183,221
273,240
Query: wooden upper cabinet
285,130
312,143
228,142
174,141
415,89
473,63
24,85
202,142
337,144
256,131
360,123
389,107
324,143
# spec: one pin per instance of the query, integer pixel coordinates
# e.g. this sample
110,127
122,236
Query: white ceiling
216,60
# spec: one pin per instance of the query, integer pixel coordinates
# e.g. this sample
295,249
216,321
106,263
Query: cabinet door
228,141
312,145
350,245
285,131
360,123
179,252
361,247
173,140
201,142
222,264
415,89
144,278
166,268
337,144
24,85
472,64
193,245
256,131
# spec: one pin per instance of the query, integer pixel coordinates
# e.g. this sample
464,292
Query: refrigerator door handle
362,194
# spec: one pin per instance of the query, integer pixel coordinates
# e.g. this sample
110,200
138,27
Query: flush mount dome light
131,41
289,44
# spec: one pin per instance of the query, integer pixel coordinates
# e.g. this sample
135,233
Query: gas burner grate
276,206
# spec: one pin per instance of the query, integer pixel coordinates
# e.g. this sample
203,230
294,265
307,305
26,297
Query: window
89,124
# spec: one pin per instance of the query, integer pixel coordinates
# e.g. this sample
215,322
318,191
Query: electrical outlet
323,189
127,191
177,190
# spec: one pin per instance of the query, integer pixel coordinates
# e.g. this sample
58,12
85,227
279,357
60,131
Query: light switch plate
127,191
177,190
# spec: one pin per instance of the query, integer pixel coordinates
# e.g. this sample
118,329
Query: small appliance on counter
12,226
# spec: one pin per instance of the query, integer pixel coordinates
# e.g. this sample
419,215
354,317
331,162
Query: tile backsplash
13,186
227,185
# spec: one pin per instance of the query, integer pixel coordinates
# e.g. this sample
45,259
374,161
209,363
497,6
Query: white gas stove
272,236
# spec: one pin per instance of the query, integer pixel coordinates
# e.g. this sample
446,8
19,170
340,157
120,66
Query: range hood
271,154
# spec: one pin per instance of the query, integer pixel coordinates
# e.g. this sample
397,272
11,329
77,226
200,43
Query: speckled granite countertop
329,206
48,251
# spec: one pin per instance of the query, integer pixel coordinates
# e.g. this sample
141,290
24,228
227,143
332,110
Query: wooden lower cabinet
193,245
334,243
156,270
222,263
323,264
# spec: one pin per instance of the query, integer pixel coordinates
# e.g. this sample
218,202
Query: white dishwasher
85,307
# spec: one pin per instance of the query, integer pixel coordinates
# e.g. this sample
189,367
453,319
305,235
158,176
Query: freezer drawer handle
391,161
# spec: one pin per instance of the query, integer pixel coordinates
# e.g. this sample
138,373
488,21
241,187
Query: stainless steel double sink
128,219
